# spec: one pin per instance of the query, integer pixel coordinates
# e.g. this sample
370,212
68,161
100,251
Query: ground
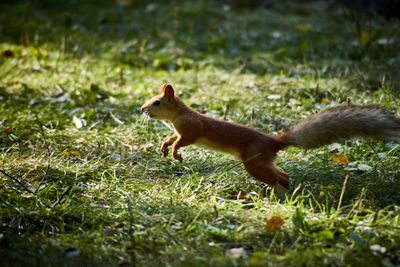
83,182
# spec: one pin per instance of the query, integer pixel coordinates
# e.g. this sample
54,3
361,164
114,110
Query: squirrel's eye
157,102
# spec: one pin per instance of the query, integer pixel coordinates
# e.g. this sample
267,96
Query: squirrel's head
162,106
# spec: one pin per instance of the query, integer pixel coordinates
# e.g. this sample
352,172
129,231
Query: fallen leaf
304,27
79,123
115,156
126,3
364,167
363,38
58,94
8,130
239,196
303,12
324,100
378,248
235,252
80,140
274,223
8,53
274,97
72,153
276,34
341,159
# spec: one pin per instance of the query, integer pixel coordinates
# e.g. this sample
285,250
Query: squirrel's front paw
164,149
177,157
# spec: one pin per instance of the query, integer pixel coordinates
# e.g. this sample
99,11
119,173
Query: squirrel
257,150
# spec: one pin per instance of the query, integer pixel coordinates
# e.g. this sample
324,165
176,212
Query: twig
194,219
216,211
23,186
62,196
18,181
342,193
48,154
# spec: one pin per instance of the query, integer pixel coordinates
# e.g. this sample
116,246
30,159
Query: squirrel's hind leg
268,173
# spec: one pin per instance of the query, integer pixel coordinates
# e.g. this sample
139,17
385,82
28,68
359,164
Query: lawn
82,182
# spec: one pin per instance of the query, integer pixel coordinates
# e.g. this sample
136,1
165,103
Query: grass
83,182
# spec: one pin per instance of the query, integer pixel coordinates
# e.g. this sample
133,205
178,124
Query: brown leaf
363,38
274,223
303,12
72,153
8,53
341,159
304,27
8,130
324,100
239,196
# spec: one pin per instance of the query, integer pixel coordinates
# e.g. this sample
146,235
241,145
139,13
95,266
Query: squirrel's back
343,122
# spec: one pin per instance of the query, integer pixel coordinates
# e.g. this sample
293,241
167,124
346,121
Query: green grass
95,190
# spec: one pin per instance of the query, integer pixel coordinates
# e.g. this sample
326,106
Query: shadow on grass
276,38
378,187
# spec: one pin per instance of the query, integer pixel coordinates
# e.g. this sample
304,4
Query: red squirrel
257,150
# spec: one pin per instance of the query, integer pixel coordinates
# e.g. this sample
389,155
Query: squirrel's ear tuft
168,90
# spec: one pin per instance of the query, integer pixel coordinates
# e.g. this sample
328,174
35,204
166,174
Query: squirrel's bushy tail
343,122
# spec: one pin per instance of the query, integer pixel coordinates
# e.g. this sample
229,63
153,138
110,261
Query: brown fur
343,122
257,150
